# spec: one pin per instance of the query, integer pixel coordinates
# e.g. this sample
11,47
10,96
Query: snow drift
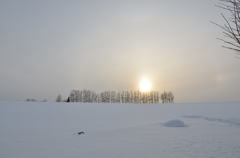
174,123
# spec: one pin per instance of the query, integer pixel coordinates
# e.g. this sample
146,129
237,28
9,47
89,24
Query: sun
145,85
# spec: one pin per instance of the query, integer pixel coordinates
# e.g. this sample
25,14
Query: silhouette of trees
87,96
167,97
59,98
231,26
31,100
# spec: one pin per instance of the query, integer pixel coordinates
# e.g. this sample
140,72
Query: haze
51,47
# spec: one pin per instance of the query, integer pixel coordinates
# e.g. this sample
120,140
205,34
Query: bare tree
167,97
59,98
164,97
231,26
170,97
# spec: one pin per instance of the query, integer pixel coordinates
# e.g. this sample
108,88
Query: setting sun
145,85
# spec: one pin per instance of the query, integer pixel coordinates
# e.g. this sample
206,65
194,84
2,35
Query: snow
175,123
235,122
50,130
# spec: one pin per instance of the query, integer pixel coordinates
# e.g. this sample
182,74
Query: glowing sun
145,85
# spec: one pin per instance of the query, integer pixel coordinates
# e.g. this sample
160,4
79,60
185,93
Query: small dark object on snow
80,133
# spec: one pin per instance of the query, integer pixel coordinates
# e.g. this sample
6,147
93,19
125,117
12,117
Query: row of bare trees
88,96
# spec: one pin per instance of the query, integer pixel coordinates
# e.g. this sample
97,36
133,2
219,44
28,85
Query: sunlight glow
145,85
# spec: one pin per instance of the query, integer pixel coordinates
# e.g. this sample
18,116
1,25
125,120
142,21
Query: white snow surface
50,130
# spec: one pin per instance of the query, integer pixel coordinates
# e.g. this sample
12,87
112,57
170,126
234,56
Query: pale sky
49,47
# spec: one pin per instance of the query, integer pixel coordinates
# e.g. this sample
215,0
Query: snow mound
174,123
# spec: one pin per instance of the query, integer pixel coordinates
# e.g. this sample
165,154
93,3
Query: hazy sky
49,47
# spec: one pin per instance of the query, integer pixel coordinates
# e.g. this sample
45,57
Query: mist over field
50,47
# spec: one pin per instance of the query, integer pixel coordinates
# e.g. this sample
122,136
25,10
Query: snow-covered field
49,130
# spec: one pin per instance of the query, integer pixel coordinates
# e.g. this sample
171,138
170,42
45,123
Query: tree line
88,96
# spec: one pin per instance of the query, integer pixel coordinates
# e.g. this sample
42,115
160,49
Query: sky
50,47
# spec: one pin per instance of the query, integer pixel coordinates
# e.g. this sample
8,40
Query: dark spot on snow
174,123
81,133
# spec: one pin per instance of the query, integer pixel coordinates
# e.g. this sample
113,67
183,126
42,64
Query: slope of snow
50,130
